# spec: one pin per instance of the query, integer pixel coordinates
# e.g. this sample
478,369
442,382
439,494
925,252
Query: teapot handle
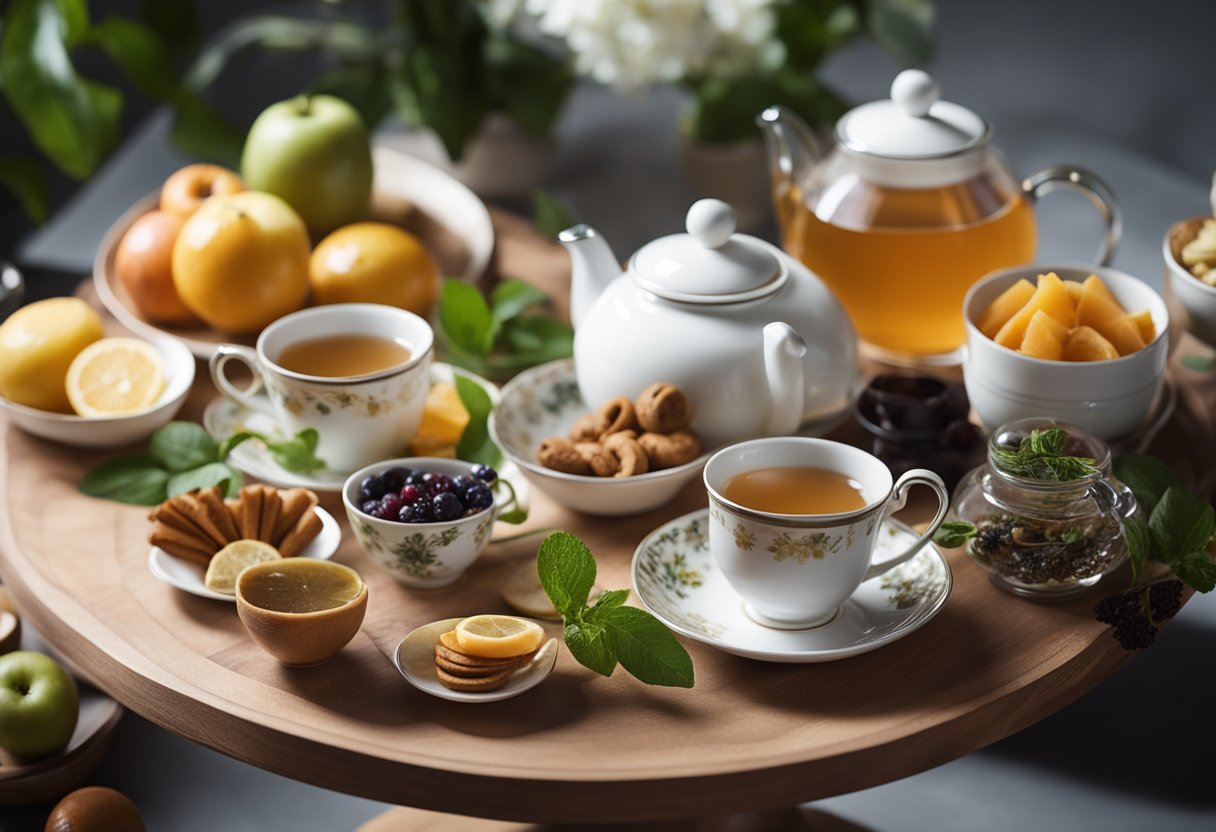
1093,188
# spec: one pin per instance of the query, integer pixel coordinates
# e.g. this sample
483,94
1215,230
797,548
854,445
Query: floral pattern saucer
676,579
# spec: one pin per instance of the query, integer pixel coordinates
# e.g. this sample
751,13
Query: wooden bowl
300,639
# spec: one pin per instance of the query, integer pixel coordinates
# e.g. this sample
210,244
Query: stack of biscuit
474,674
196,525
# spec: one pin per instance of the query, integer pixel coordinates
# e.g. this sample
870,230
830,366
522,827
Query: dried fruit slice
1050,297
1005,307
1122,333
1045,337
115,376
1144,322
1085,344
232,559
498,636
523,593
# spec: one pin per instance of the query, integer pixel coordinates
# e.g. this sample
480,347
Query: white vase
735,172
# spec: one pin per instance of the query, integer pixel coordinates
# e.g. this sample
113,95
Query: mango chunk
1045,337
1097,305
1085,344
1075,290
443,421
1005,307
1144,322
1050,297
1122,333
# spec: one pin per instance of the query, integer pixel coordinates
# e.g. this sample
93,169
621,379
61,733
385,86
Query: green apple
312,151
38,704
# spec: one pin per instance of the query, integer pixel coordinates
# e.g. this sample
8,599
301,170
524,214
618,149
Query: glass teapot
910,208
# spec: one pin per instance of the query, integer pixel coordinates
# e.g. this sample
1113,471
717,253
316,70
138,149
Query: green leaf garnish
298,454
551,216
138,480
1148,478
1040,456
511,297
953,534
1197,570
1181,524
465,318
1139,543
205,476
1199,363
588,643
647,649
567,572
475,443
181,446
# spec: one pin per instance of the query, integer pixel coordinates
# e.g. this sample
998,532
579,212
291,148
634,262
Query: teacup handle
1091,186
917,476
249,396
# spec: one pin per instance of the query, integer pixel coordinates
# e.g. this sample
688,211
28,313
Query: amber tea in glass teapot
908,210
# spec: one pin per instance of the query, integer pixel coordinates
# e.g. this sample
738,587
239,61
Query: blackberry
1135,633
485,473
371,488
446,506
1165,599
991,538
1116,608
1135,613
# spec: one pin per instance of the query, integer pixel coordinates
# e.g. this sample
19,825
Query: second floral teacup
807,540
358,373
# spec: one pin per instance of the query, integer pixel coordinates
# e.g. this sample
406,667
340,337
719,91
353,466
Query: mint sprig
605,632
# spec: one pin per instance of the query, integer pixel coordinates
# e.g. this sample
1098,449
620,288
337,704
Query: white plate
188,576
675,576
415,659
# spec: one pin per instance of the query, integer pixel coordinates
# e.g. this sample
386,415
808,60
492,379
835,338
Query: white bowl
421,555
545,401
1110,399
114,431
1196,298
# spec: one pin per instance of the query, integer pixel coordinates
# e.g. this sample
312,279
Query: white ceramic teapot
755,340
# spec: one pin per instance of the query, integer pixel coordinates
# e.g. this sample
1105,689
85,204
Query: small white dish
188,576
675,577
545,401
114,431
415,660
1197,299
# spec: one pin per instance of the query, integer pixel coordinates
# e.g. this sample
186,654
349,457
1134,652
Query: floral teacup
793,571
359,419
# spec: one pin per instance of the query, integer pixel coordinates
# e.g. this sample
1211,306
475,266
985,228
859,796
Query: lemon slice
228,562
498,636
115,376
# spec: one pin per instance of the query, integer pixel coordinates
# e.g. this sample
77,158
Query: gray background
1123,88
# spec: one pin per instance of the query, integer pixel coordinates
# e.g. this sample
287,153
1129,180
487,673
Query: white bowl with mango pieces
1084,344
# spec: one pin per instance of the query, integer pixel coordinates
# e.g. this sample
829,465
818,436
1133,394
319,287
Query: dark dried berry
1165,599
1135,633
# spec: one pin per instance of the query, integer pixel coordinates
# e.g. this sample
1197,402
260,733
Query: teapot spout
792,151
593,267
784,368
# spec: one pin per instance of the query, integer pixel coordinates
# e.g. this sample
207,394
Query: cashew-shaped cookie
670,450
616,415
586,428
628,452
603,463
663,408
560,455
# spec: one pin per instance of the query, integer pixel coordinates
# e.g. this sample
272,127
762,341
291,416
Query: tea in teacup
795,489
342,356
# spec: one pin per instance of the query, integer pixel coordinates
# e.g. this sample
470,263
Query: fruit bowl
114,431
1196,298
545,401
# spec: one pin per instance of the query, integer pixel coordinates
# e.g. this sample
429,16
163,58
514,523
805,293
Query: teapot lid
709,264
898,138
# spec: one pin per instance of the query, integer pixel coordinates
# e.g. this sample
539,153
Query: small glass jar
1045,538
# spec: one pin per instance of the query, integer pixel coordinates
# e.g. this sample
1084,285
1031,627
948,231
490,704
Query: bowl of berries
424,519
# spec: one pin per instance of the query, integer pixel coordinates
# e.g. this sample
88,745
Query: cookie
473,661
296,501
483,684
308,527
465,671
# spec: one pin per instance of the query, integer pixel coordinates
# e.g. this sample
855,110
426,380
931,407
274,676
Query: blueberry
478,497
406,515
461,483
485,473
422,510
371,488
446,506
394,478
414,478
390,505
371,507
409,493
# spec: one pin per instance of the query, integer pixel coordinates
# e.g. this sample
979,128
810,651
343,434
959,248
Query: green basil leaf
1148,478
181,446
1181,524
213,473
226,447
297,454
567,573
1139,542
511,297
27,181
72,120
589,644
1196,570
475,443
465,318
605,603
954,534
549,216
138,480
647,649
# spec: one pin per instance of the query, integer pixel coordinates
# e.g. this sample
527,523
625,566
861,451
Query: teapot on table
756,341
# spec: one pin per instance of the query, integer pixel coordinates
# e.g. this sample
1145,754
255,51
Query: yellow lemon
37,345
371,262
230,561
443,422
115,376
498,636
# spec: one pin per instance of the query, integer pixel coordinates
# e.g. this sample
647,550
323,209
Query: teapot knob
915,92
711,222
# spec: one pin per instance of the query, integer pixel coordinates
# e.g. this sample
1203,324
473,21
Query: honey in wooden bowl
300,610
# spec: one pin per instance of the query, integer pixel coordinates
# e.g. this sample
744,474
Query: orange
37,345
115,376
144,266
371,262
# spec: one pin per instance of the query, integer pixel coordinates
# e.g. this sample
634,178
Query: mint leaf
475,443
226,447
1199,363
1148,478
298,454
551,216
647,649
1196,569
1181,524
511,297
954,534
465,319
567,573
1139,542
181,446
589,645
604,604
138,480
213,473
536,339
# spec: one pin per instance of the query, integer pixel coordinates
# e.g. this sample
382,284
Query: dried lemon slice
115,376
523,593
228,562
498,636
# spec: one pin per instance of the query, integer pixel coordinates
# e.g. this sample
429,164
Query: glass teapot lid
914,139
710,263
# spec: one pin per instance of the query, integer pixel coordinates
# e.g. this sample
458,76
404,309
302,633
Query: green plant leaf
1196,570
528,83
647,649
1139,542
548,215
175,22
724,110
448,95
73,121
953,534
26,180
205,476
605,603
181,446
465,318
200,130
904,28
475,443
138,480
535,339
1199,363
140,54
1148,478
1181,524
364,86
298,454
567,572
511,297
589,644
227,445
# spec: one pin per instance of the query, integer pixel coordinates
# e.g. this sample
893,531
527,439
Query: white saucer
188,576
675,576
415,658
